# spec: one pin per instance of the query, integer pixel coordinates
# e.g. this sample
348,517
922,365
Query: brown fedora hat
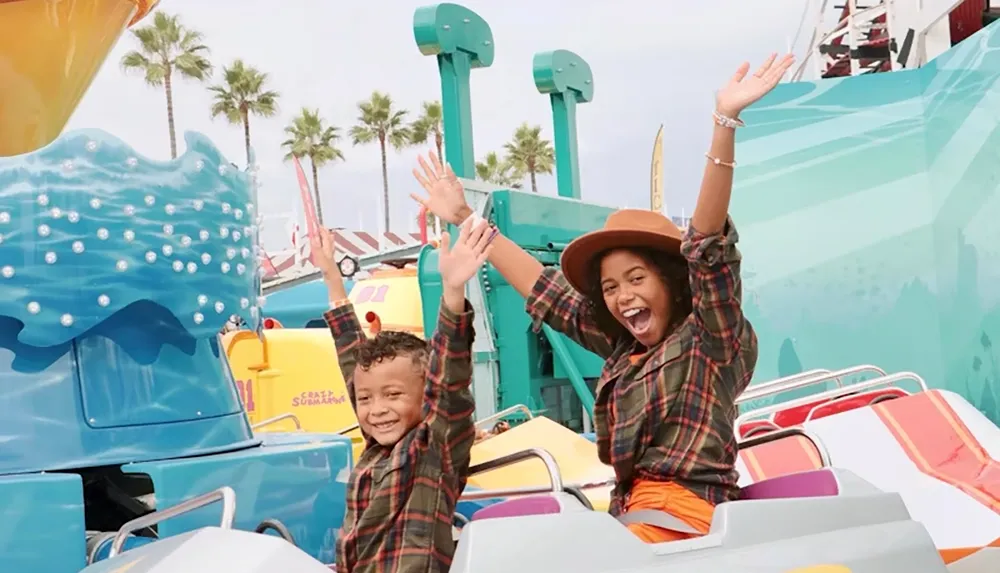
624,228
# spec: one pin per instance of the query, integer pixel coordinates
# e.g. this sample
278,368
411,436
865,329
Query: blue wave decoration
88,227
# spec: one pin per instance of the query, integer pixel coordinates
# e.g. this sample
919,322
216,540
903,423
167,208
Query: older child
663,309
415,409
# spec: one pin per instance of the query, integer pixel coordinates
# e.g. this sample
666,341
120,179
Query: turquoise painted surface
118,273
88,229
30,505
867,210
301,306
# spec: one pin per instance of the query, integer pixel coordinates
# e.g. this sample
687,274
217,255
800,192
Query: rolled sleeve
716,288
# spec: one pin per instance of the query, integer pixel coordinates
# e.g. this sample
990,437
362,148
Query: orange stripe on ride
941,445
952,555
781,457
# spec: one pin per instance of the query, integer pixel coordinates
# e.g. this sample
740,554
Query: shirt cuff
714,249
342,320
455,326
539,300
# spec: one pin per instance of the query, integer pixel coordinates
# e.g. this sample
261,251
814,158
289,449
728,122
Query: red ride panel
941,445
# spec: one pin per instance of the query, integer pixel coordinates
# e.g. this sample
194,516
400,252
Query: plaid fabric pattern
669,414
401,499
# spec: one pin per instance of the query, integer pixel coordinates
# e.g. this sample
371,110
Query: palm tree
241,95
378,121
168,50
309,137
431,121
498,171
529,153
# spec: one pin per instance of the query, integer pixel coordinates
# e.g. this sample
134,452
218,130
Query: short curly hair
390,344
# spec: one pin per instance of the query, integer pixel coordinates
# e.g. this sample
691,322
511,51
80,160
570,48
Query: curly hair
673,269
390,344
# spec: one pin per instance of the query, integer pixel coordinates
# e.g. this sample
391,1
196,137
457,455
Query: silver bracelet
727,122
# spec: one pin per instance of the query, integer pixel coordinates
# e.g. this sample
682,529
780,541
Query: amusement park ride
125,435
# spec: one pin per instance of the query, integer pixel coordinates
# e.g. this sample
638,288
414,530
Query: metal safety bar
224,494
276,419
503,414
769,389
835,393
555,476
824,454
774,385
350,428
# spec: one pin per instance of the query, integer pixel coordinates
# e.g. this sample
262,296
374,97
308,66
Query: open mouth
638,319
383,426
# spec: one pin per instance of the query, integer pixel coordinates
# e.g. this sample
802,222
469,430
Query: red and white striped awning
357,244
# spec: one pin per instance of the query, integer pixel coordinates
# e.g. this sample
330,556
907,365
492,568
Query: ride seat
797,415
534,505
811,483
756,427
859,400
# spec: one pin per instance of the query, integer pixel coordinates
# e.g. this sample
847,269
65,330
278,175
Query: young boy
414,407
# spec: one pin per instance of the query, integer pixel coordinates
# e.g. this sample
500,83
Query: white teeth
631,312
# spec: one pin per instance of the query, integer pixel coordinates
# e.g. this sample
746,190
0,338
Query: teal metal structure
544,370
567,80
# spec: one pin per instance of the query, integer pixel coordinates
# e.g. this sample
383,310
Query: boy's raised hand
459,262
321,245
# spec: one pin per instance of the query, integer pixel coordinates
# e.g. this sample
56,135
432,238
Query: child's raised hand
459,262
445,195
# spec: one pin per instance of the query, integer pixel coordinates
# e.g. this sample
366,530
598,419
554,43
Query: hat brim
579,254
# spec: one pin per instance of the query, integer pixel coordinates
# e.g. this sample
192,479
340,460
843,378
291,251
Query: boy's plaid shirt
669,415
400,500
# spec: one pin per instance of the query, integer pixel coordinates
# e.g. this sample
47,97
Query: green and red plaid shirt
668,414
401,499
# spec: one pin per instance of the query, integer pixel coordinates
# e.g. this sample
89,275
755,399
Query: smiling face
636,295
389,395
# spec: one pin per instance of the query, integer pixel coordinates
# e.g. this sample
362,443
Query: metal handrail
224,494
276,419
504,413
835,393
875,398
753,393
530,490
824,454
555,476
350,428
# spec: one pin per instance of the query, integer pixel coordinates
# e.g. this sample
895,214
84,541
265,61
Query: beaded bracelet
717,161
727,121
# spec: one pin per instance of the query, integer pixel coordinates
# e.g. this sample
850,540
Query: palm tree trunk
168,87
246,134
439,141
534,186
385,186
319,203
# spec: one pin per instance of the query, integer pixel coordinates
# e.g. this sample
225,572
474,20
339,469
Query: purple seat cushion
813,483
534,505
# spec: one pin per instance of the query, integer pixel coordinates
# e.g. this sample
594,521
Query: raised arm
710,242
448,401
341,318
549,298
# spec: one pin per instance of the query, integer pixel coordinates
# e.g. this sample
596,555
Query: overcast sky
653,63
